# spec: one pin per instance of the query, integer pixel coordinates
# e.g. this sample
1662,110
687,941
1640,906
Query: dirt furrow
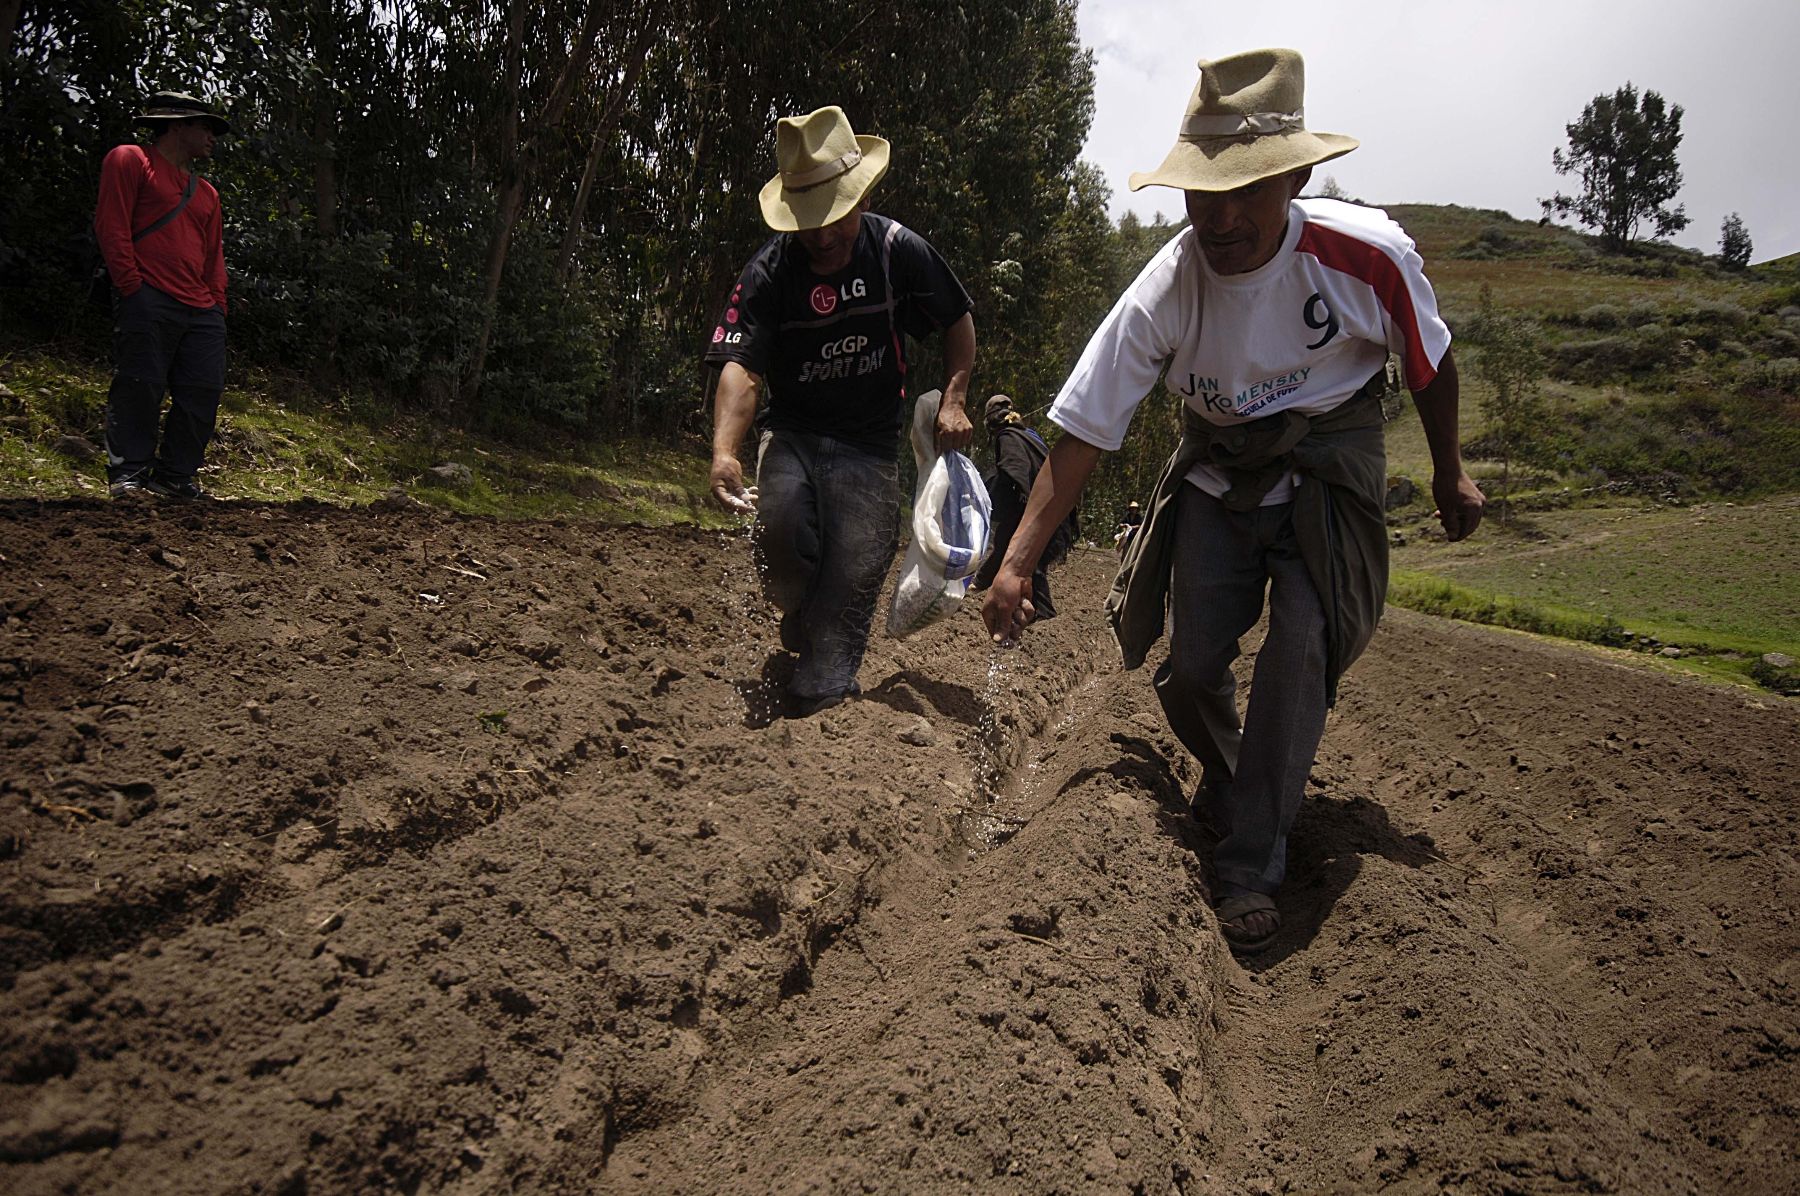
419,853
1039,1019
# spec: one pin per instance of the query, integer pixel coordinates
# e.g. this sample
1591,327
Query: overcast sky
1461,101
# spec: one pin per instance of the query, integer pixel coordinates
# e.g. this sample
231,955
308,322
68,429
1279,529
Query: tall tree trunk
518,156
565,256
609,119
325,189
324,121
510,200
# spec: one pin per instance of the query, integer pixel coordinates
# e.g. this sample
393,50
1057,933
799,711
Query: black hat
998,408
169,106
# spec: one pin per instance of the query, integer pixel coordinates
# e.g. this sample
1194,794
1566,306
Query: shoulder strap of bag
187,194
887,283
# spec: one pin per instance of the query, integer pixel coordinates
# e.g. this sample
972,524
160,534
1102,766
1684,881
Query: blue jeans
161,344
1255,772
827,524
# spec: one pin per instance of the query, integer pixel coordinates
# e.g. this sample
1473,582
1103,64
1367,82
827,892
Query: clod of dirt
919,733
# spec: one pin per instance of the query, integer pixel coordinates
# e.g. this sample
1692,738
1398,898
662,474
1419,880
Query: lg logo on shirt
824,299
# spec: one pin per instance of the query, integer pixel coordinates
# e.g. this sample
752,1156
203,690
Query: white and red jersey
1302,332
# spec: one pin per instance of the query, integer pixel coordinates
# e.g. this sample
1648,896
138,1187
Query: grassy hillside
1665,372
1657,509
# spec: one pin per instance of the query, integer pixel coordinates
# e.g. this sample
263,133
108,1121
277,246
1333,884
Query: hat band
1197,125
804,180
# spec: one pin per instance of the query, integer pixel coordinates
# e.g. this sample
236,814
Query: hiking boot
179,489
805,705
129,488
1206,799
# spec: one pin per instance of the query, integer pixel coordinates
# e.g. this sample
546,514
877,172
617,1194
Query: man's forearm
1438,404
959,359
734,408
1053,496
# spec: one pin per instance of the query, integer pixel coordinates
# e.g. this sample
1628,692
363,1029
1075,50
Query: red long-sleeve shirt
185,258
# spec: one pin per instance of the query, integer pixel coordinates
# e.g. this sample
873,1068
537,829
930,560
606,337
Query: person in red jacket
159,228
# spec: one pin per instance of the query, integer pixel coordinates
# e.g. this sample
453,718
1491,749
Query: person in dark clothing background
160,231
1019,453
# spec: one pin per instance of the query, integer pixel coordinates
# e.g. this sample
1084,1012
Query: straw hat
167,107
1245,122
826,169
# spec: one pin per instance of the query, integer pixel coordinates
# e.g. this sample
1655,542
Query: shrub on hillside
1778,342
1491,244
1605,359
1601,317
549,362
1630,267
1717,313
1780,376
1720,440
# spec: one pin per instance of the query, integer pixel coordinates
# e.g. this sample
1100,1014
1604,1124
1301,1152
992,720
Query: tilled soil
375,849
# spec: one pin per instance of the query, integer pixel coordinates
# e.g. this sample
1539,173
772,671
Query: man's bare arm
734,408
1055,493
1459,500
954,430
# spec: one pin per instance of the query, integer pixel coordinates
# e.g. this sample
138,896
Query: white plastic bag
951,519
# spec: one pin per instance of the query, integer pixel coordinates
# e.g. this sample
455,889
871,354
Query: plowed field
375,849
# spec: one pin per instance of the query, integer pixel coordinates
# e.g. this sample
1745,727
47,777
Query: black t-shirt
1019,453
830,348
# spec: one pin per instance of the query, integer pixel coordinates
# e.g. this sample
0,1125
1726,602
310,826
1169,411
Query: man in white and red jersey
160,231
1273,318
819,320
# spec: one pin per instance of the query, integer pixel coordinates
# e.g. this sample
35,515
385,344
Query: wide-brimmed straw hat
169,106
826,169
1245,121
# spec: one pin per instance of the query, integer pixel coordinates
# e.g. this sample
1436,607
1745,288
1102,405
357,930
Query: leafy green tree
1509,358
1734,243
1622,151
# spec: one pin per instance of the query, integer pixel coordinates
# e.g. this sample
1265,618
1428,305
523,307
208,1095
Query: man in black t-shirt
818,321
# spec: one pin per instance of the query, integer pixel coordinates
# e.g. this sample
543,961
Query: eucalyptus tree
1622,151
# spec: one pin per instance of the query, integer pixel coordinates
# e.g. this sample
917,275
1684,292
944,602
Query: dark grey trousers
161,345
1255,771
827,524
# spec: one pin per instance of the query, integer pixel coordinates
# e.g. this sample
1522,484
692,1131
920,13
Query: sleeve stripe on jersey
1360,260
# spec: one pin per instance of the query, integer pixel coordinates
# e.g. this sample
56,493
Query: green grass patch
1720,581
278,441
1436,596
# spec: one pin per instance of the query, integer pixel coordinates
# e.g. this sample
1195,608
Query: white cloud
1463,102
